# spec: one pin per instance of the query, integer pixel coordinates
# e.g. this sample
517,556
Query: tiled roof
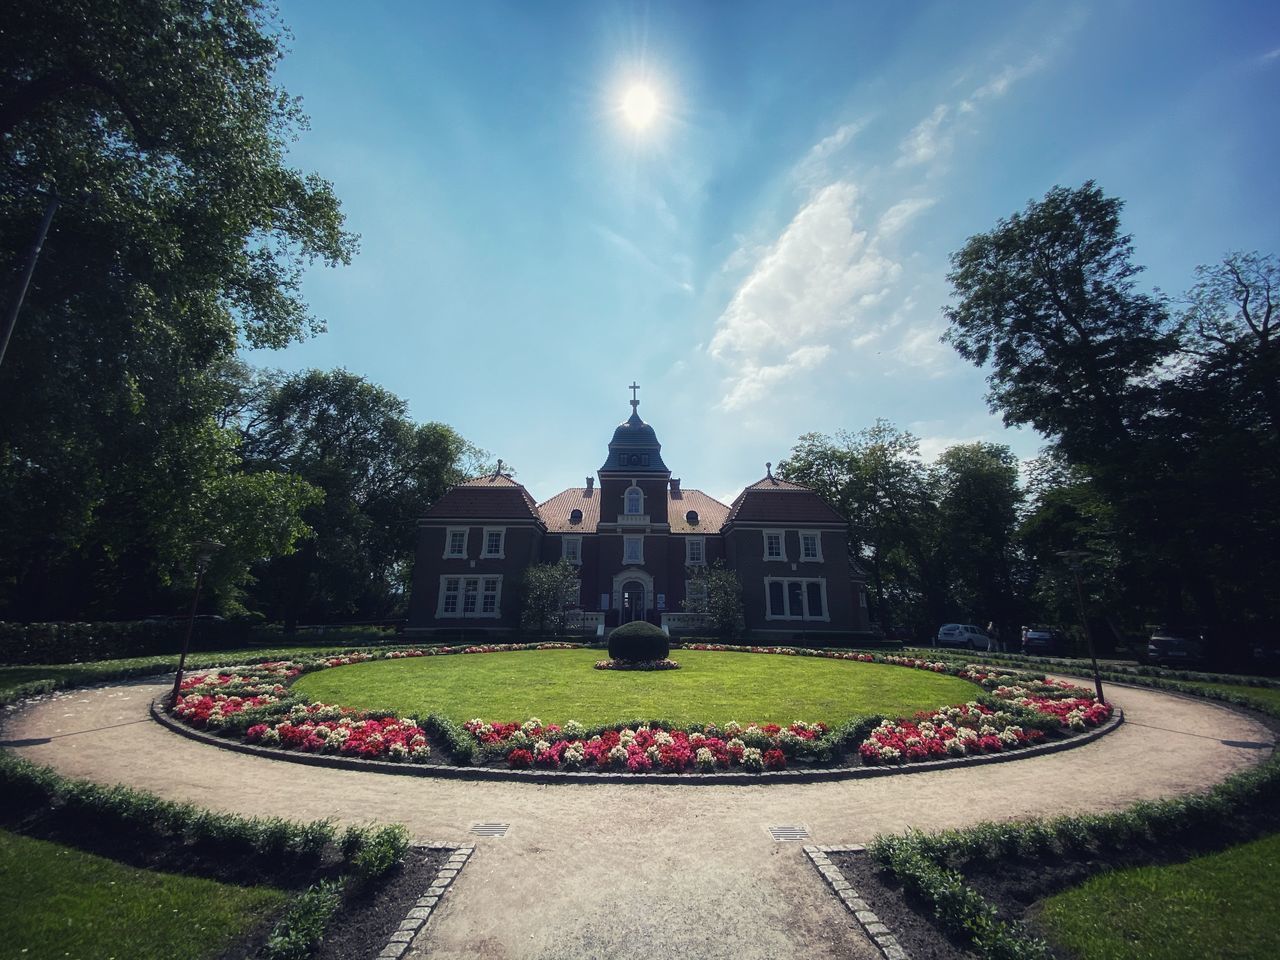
492,497
770,500
555,512
711,512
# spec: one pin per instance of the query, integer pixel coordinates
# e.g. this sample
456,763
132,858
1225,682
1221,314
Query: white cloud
902,213
927,140
1271,55
815,284
812,170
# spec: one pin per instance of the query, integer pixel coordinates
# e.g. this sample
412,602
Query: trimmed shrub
638,641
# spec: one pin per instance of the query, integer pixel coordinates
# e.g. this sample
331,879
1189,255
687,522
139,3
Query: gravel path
640,871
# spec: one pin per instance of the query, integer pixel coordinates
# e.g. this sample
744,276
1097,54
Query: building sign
662,601
604,601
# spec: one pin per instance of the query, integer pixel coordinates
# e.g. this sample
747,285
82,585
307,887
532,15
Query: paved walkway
601,870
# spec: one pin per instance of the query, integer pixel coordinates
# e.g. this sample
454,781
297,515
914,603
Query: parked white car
965,635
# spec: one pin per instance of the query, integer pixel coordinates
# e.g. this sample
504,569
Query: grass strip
1214,906
60,902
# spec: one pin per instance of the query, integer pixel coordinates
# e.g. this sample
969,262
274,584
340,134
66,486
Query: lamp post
204,551
1074,560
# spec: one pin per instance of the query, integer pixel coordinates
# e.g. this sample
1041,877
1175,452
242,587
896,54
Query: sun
640,106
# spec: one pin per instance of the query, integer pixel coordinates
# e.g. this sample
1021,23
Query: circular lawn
709,687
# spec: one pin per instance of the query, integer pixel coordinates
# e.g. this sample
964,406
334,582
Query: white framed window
775,545
796,598
571,550
455,542
479,597
810,546
633,549
633,502
495,540
695,551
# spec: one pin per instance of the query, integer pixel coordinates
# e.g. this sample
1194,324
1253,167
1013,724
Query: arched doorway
633,607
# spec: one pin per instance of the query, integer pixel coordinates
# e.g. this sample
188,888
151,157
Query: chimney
675,486
591,482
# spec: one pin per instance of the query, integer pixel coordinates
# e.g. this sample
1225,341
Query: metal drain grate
789,832
490,829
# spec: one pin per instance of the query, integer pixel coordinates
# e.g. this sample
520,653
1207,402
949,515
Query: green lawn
60,902
560,685
1222,905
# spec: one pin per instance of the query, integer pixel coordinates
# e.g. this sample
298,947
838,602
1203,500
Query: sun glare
639,106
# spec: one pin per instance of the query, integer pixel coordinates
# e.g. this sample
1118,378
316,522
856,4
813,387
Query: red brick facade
637,537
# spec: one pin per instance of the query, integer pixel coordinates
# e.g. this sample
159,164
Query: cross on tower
635,402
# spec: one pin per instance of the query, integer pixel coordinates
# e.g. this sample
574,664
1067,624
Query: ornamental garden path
637,870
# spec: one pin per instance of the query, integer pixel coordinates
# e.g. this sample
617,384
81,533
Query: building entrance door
632,601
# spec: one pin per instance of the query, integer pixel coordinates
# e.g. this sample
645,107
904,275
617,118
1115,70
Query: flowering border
256,705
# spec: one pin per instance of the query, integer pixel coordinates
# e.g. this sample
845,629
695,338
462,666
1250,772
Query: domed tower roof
634,447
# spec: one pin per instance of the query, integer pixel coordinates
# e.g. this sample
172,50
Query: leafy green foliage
549,590
297,934
378,470
720,600
182,236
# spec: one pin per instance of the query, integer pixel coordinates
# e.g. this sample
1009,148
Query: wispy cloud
814,168
933,136
928,139
1271,56
810,288
894,219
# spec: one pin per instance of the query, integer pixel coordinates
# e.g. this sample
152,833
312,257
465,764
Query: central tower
633,480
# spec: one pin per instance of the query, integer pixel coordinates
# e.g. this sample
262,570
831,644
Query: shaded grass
60,902
1268,698
560,685
1223,905
78,674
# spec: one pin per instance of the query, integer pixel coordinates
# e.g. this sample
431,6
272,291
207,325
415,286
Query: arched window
634,502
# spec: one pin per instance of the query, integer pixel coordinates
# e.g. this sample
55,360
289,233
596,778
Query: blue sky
768,257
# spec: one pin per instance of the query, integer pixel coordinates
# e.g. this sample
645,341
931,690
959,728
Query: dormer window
634,502
575,516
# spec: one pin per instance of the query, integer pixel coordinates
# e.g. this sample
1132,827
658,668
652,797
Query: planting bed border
446,771
421,910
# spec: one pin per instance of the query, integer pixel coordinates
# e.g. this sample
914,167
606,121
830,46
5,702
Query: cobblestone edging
420,912
871,924
823,774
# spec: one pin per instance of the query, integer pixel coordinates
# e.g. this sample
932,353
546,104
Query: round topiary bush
638,641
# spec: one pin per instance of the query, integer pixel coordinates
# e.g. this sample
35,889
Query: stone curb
693,779
871,924
420,912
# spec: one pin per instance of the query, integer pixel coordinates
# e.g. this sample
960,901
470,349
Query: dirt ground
604,870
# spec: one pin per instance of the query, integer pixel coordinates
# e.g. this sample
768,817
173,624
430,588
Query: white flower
705,759
573,729
533,723
752,759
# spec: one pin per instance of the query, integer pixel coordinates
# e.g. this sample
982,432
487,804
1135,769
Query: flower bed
666,663
257,705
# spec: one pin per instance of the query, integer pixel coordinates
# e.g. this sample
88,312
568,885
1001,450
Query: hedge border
449,771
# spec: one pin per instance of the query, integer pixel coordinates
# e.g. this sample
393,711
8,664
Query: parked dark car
1177,647
1045,642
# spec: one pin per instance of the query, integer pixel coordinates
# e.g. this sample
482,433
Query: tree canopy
182,236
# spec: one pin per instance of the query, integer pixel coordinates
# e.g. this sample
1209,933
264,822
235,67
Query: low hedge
73,642
38,793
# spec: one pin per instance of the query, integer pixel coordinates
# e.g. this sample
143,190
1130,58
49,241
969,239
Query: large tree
182,235
379,471
1047,302
876,479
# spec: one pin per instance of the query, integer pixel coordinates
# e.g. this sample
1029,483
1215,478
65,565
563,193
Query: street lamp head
204,551
1074,559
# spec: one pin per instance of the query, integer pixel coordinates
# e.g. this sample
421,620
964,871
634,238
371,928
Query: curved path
593,870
